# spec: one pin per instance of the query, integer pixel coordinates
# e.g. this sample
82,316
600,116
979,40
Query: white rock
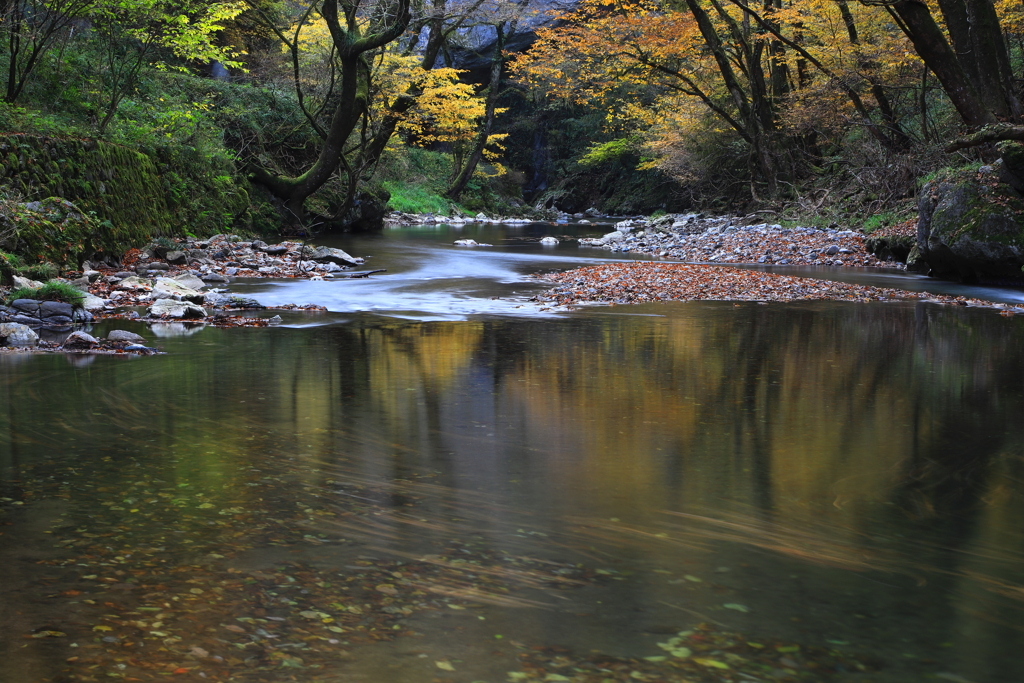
166,287
189,280
91,302
549,240
16,334
25,282
176,309
135,284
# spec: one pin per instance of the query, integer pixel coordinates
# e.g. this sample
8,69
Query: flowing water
435,481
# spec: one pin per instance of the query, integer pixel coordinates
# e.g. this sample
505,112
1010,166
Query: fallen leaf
711,663
736,606
445,665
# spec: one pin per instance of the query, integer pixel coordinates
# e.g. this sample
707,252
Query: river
437,481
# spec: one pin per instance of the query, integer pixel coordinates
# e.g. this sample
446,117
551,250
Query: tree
356,32
133,31
775,75
29,29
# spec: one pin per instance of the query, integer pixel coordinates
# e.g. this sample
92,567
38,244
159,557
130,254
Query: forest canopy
317,103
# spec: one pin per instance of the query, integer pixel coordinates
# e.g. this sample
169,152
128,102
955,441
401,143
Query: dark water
831,476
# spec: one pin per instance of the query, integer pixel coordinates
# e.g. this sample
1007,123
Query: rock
79,341
81,315
155,265
50,309
332,255
92,275
243,302
466,243
969,235
276,250
481,216
592,212
331,268
276,320
30,306
125,336
92,303
176,257
81,283
832,251
214,277
15,334
259,245
135,284
616,236
171,308
215,299
549,240
190,281
25,282
166,287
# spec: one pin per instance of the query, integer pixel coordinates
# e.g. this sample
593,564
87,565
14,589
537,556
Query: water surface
829,476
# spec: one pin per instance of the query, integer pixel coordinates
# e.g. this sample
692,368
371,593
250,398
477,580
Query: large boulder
15,334
970,227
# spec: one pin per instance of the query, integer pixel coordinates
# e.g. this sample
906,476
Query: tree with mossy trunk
357,30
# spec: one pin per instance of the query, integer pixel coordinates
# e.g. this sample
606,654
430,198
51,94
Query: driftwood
358,273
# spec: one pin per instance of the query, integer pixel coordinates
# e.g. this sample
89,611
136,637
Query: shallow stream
435,481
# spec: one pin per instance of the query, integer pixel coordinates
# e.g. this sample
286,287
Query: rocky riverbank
183,282
641,282
729,239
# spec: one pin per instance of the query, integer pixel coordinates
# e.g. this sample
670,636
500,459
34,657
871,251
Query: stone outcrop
971,227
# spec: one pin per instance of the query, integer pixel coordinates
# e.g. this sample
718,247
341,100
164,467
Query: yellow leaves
446,110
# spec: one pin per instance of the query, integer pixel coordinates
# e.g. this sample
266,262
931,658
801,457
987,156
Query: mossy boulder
971,227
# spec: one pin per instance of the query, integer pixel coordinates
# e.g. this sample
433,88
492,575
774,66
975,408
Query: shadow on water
841,476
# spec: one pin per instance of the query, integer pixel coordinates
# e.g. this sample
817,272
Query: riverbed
436,480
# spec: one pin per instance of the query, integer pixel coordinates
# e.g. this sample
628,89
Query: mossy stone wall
121,186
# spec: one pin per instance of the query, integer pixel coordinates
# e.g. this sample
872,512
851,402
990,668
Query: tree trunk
351,46
931,45
493,90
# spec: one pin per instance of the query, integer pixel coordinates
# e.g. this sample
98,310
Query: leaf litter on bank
633,283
